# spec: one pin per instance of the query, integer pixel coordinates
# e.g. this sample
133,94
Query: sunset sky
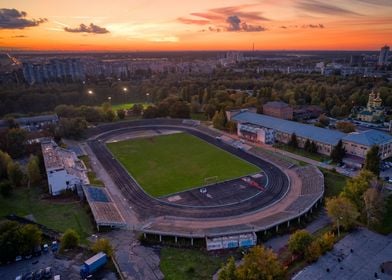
144,25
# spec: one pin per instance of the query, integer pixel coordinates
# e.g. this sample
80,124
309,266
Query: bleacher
104,210
312,180
274,158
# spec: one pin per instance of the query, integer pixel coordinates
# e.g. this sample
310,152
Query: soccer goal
210,180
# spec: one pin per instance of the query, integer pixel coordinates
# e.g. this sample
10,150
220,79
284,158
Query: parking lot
66,268
360,255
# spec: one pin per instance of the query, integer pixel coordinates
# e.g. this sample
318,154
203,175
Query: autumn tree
5,160
372,161
345,127
342,212
103,245
313,251
219,120
120,114
299,241
259,264
374,206
228,271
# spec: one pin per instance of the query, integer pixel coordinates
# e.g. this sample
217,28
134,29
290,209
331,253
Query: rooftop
322,135
369,137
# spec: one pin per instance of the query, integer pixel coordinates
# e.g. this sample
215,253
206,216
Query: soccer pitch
172,163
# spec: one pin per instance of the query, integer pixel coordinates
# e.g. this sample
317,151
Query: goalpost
210,180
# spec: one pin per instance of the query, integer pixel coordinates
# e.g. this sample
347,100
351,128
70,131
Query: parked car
28,276
55,246
18,258
45,248
19,277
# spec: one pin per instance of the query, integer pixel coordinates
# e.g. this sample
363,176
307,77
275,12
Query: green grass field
54,215
171,163
128,106
334,182
185,264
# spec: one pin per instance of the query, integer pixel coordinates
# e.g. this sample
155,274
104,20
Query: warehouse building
63,168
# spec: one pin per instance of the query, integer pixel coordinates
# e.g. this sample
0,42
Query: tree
228,271
323,120
338,152
299,241
5,188
121,114
231,127
70,239
15,174
110,115
219,120
150,112
103,245
33,171
72,127
308,146
137,109
372,162
16,142
345,127
374,206
357,186
313,251
31,238
327,240
293,141
342,212
5,160
259,264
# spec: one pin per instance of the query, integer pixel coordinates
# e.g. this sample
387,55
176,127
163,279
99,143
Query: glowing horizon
154,25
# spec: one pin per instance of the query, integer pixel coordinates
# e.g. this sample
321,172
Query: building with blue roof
266,129
359,143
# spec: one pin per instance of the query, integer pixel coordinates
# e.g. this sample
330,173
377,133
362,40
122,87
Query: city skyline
203,25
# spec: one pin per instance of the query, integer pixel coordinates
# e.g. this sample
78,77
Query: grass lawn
334,182
54,215
171,163
186,264
128,106
90,173
301,152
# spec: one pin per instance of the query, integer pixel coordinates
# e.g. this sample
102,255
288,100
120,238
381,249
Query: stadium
226,200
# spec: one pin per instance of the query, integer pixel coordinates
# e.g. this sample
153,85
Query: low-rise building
64,170
278,109
33,123
269,130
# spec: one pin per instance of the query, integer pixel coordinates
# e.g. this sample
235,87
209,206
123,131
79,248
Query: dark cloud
235,24
323,8
14,19
237,11
19,36
313,26
376,2
283,27
193,21
92,28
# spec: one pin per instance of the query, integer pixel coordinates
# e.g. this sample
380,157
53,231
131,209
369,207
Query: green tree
372,162
70,239
103,245
308,146
228,271
260,264
33,171
31,238
293,141
338,152
110,115
219,120
299,241
5,160
357,186
342,212
16,142
231,127
150,112
15,174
